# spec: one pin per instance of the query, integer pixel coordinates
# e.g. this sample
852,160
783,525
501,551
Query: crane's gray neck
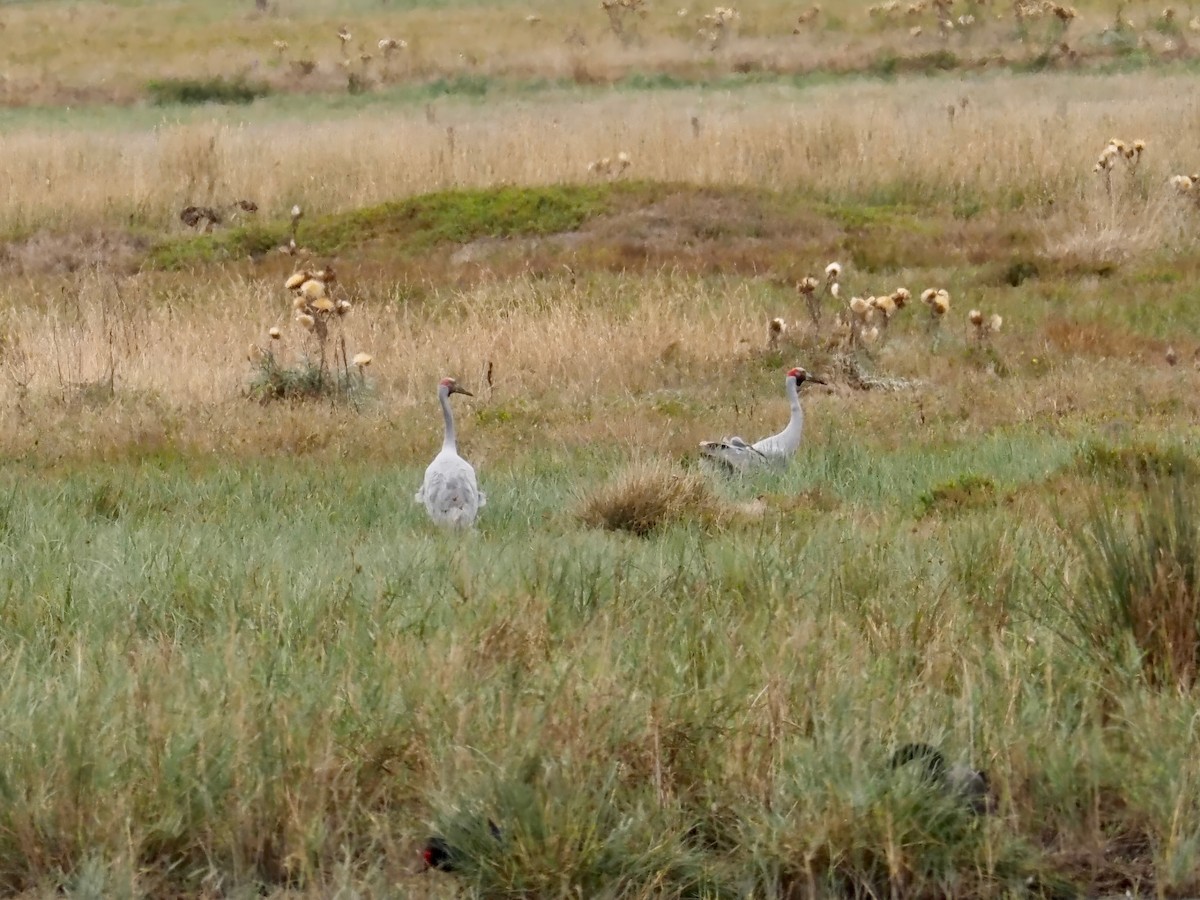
448,442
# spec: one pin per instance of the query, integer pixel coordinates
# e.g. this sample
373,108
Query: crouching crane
734,455
449,493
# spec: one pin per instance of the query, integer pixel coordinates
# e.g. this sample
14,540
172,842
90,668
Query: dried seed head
1182,183
807,285
833,271
313,289
326,275
995,322
275,333
901,296
343,307
297,279
297,213
623,160
870,335
859,306
777,327
886,305
928,294
300,303
976,318
255,353
835,290
362,360
306,321
941,303
323,304
1172,356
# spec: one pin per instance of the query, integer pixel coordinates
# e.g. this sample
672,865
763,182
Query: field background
240,662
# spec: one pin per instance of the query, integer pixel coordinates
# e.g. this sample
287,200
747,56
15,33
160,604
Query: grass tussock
649,496
1140,584
1141,463
195,91
304,380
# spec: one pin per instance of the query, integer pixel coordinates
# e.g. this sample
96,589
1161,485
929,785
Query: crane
449,492
735,455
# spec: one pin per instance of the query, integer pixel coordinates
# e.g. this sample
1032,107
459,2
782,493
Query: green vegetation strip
413,224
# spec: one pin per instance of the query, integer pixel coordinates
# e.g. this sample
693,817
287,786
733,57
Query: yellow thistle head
323,305
293,283
313,289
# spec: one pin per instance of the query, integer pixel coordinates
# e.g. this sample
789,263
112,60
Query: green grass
198,91
277,672
415,224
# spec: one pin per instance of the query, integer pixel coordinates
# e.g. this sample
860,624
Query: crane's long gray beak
816,379
461,390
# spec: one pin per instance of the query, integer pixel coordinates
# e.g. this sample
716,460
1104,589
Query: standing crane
449,492
735,455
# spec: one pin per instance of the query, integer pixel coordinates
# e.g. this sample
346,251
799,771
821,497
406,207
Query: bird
450,493
735,455
191,216
438,854
958,781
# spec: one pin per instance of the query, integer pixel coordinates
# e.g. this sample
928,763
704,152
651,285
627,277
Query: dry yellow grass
654,365
1029,140
82,52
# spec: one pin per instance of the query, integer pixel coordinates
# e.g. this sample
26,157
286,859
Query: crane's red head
802,376
437,855
452,387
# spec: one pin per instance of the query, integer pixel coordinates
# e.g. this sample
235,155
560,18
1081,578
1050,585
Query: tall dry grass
96,366
1021,141
94,52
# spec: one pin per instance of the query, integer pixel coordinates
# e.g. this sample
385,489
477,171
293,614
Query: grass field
241,662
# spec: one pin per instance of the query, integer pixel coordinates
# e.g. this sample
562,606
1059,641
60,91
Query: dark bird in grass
246,206
958,781
439,854
192,216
